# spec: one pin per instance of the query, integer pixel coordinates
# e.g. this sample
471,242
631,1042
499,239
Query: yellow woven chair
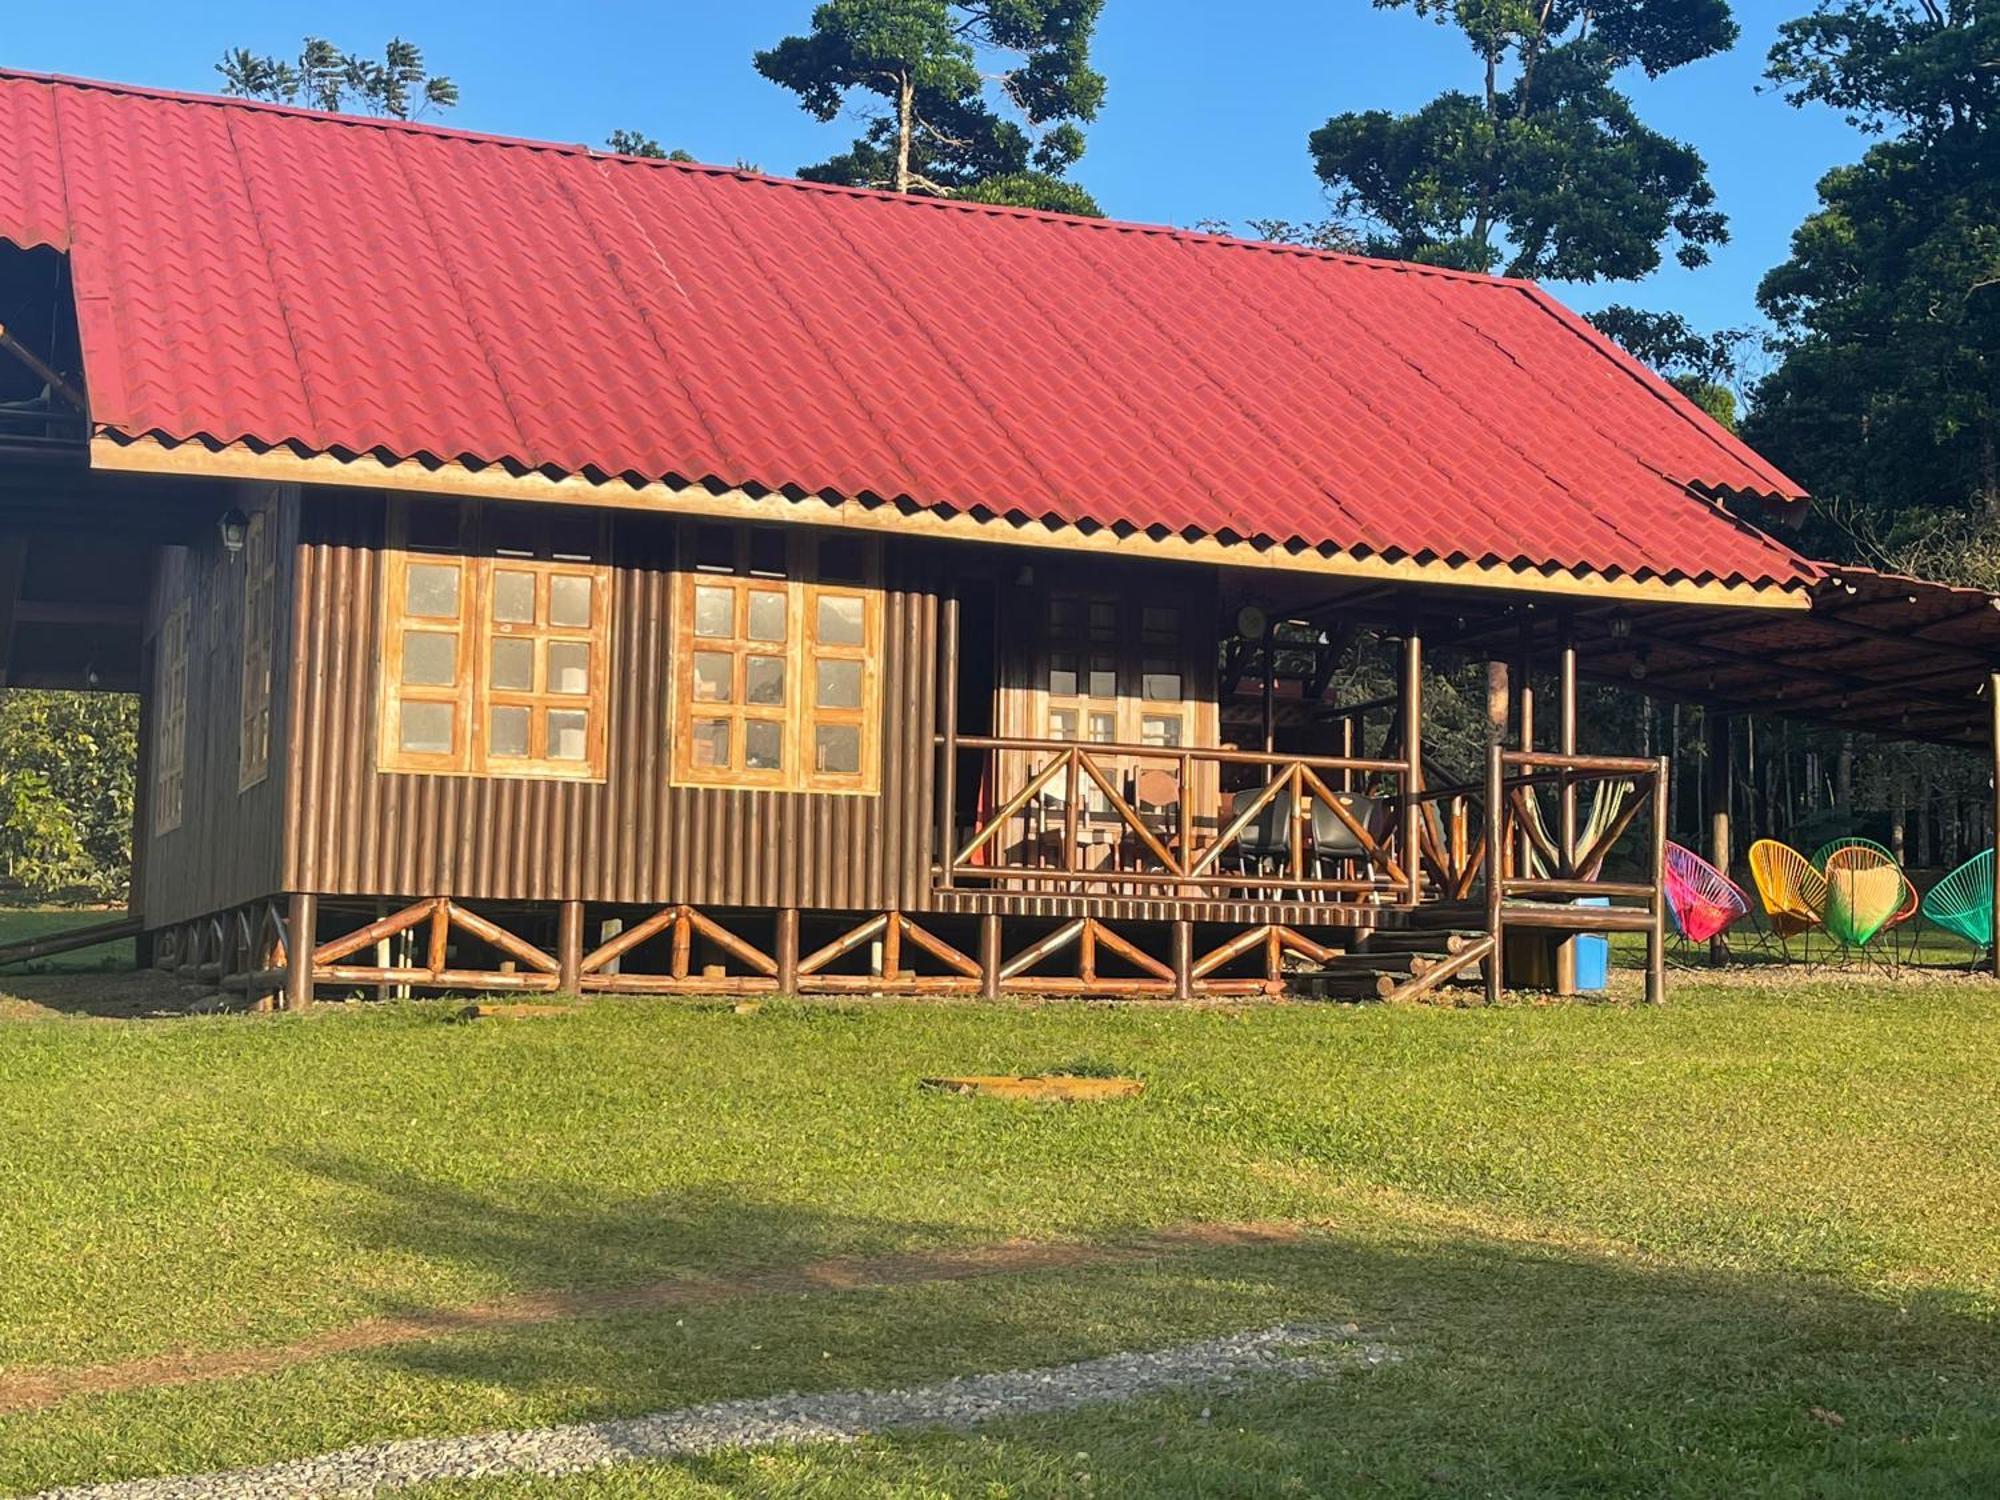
1792,891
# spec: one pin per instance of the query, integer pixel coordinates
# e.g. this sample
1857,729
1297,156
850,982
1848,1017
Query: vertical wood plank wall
631,838
226,850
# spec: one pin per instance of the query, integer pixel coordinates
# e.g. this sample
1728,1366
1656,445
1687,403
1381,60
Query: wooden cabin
546,570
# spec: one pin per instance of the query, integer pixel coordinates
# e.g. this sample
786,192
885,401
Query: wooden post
1718,775
1993,708
787,955
1656,932
1413,755
989,955
1496,867
301,923
569,947
1524,722
1566,733
1183,959
947,782
1270,687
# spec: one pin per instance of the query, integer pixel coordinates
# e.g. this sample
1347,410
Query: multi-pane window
777,639
260,555
170,747
497,648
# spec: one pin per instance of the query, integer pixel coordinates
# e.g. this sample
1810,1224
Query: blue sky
1207,115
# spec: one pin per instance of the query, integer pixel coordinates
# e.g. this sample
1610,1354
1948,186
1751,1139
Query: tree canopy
324,77
922,69
1886,404
1546,169
638,143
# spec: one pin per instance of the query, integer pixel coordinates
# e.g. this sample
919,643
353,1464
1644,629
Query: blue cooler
1593,952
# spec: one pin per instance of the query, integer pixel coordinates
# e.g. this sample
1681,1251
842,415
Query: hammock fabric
1702,900
1606,802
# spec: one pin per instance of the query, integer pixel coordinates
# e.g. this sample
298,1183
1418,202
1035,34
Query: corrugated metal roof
254,274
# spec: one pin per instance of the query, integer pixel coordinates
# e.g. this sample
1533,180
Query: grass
19,922
1748,1243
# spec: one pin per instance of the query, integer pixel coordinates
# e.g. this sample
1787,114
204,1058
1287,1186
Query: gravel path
836,1416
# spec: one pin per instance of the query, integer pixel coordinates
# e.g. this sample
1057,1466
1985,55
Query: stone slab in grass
1045,1086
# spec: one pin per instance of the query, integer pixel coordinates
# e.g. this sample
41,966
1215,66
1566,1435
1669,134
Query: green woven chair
1865,889
1824,851
1962,902
1904,913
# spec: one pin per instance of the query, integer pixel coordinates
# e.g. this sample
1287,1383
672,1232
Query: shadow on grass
1526,1367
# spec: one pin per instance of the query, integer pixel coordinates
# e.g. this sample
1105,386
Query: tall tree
324,77
923,68
1546,168
1705,367
637,143
1887,401
66,767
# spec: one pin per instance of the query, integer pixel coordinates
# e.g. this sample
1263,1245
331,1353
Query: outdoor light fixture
234,526
1621,625
1639,658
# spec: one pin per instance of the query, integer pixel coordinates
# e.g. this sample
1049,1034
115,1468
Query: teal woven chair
1962,902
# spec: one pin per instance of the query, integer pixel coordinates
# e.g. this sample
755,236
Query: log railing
1066,819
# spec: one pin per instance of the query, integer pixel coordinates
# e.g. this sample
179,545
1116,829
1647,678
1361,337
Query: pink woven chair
1702,900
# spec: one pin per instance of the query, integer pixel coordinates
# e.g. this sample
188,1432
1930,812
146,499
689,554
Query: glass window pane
1062,724
714,611
507,731
767,615
1161,682
764,680
430,658
569,600
569,667
1064,615
1103,677
715,549
840,620
514,597
710,743
763,745
427,728
714,677
1161,625
567,734
514,668
1160,729
1062,675
1103,617
1103,728
837,749
431,591
838,684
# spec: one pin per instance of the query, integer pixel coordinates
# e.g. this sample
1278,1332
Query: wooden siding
352,830
226,848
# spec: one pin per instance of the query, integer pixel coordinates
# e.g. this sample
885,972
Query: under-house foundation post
569,947
301,924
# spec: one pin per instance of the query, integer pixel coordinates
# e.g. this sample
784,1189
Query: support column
989,955
787,955
1496,871
569,947
1993,708
1566,736
1413,755
1524,725
1719,772
947,783
1183,960
1656,932
301,923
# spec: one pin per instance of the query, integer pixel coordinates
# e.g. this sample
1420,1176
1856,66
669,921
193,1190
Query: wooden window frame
471,696
803,650
260,580
170,748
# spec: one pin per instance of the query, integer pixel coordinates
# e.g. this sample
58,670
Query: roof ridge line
763,179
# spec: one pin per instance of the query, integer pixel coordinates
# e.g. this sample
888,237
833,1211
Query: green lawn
1748,1243
19,922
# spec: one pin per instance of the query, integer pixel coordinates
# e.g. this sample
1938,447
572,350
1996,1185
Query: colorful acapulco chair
1792,892
1865,889
1962,902
1910,903
1701,899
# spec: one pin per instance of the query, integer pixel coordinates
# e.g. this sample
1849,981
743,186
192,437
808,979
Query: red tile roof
278,277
